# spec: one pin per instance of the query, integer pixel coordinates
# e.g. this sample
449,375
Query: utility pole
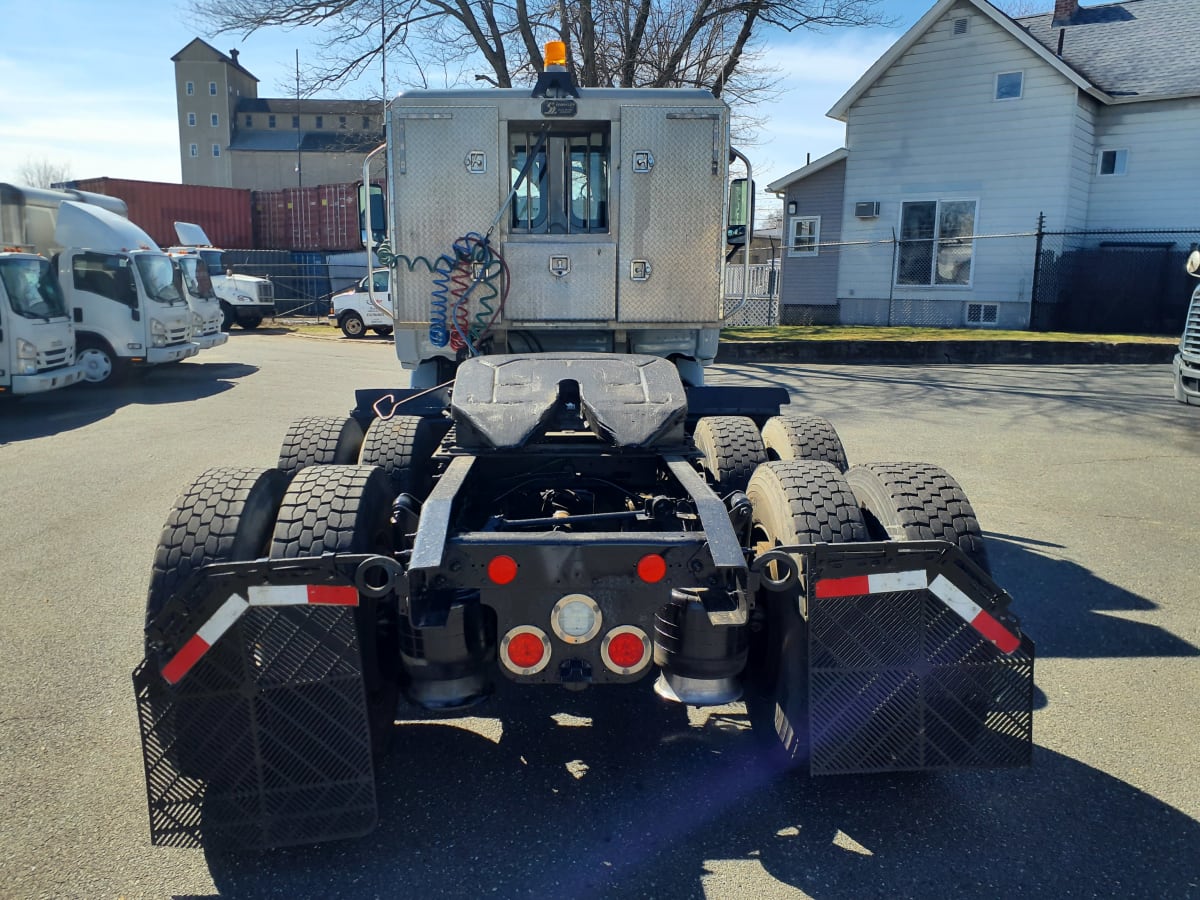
299,133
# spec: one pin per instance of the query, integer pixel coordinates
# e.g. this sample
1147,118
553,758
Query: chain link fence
1112,282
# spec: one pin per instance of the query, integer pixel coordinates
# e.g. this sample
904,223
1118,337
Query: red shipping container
223,213
322,218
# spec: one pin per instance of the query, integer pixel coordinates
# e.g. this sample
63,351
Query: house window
216,149
249,121
190,88
212,89
936,242
1113,162
194,149
1009,85
366,123
192,119
804,235
320,121
341,121
216,120
270,121
295,121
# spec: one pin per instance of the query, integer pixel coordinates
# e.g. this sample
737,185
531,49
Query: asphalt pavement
1083,478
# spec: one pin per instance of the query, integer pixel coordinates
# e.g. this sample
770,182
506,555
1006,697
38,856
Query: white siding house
972,126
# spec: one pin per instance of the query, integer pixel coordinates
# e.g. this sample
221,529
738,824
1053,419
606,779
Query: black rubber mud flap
265,741
915,662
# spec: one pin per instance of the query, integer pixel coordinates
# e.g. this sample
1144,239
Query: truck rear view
561,502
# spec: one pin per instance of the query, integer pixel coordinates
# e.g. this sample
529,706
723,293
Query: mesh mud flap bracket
915,662
263,738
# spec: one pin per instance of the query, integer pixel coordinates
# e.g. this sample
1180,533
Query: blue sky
89,84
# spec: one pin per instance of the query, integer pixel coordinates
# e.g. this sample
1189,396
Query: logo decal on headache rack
560,265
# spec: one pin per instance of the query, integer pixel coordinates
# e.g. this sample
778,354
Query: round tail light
525,650
626,650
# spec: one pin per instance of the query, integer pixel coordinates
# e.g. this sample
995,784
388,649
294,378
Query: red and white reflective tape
877,583
981,620
189,654
958,602
231,610
302,594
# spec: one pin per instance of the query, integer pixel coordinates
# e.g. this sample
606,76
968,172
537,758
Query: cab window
566,188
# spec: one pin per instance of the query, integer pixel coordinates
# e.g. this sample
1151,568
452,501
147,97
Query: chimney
233,54
1064,11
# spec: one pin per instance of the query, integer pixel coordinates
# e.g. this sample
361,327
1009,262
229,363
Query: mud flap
915,662
265,741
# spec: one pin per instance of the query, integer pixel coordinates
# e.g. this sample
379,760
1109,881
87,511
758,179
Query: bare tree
1019,8
627,43
43,173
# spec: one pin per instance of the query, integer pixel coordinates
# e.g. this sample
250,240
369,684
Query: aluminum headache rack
254,713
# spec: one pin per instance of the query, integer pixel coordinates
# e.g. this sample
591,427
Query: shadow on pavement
654,807
75,407
627,797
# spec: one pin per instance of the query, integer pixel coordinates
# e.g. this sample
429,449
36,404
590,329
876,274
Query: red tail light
626,650
525,650
652,568
502,570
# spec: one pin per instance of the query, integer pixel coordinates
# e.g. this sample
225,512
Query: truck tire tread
320,440
792,436
732,448
917,501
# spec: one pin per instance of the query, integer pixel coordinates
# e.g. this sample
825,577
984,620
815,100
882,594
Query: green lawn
908,333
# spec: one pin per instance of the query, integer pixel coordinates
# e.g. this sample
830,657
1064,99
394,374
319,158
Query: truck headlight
26,357
158,333
197,323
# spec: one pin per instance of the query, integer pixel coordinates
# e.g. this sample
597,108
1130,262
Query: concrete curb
945,352
910,352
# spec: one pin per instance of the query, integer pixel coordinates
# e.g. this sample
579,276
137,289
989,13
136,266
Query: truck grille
1191,329
266,292
177,335
52,359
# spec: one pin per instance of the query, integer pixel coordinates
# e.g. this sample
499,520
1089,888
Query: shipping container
322,218
301,279
223,213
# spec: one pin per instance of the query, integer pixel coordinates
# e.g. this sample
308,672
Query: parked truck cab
245,299
128,304
1187,361
37,340
207,315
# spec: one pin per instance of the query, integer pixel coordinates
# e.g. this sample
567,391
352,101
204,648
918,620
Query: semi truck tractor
1186,365
558,500
37,339
245,299
207,315
120,289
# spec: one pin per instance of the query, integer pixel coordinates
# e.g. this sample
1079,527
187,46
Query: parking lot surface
1085,482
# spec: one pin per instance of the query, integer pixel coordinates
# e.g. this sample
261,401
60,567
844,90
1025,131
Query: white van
353,312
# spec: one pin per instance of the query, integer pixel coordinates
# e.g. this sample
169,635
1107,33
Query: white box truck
207,316
121,290
245,299
37,340
1187,361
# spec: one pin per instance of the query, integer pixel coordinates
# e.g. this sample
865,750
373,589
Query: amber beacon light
556,54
